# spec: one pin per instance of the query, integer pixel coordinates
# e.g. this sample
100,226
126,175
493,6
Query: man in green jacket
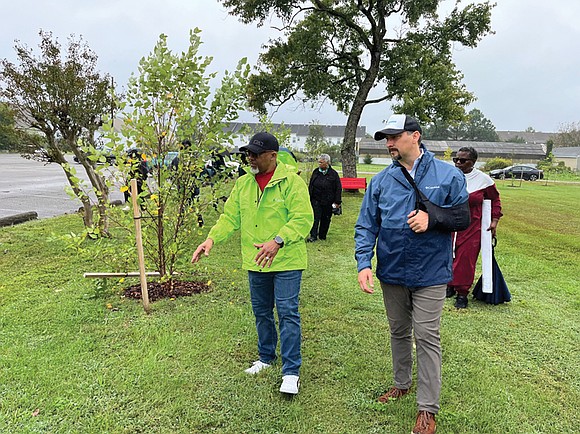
271,208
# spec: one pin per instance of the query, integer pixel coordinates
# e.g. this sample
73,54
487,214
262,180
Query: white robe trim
477,180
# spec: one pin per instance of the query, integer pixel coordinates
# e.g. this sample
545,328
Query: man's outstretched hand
204,248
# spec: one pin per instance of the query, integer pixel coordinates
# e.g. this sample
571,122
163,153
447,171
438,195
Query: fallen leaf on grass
36,412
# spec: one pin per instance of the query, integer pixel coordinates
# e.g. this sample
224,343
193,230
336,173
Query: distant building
570,156
517,152
526,136
298,133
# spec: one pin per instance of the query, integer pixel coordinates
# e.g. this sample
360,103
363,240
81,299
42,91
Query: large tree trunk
348,151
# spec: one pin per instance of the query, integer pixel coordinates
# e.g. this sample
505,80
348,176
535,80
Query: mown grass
74,362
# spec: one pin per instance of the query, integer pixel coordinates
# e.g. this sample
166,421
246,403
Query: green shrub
303,156
496,163
556,168
368,159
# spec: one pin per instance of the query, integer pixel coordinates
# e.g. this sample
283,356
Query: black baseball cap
262,142
397,124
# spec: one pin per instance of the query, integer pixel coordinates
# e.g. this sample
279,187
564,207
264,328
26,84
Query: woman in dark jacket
325,195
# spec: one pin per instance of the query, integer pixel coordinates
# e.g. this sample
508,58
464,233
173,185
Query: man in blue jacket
414,263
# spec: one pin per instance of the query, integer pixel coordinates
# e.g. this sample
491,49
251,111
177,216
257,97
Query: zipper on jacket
269,184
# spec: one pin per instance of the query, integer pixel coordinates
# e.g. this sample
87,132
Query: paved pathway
27,185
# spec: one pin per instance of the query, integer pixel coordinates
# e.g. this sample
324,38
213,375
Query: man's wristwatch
279,240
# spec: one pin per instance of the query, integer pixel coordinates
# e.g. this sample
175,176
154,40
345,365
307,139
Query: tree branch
381,99
347,20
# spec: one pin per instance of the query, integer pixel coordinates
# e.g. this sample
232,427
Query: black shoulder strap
409,178
418,195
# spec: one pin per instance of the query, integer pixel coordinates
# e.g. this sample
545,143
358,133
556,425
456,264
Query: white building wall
296,142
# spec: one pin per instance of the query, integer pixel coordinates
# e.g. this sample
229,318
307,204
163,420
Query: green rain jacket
283,209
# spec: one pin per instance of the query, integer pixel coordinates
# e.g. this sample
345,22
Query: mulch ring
158,290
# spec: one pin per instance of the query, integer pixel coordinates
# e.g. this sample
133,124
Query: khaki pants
417,311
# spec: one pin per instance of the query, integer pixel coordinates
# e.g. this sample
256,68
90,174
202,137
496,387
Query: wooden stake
139,240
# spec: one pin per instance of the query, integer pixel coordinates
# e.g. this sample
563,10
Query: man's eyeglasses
251,154
461,160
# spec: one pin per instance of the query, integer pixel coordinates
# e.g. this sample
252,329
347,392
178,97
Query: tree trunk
85,200
160,240
348,151
59,158
99,186
87,212
103,198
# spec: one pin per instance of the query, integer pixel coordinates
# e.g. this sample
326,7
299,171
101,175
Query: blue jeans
280,289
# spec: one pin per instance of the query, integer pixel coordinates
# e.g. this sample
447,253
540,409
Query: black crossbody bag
452,219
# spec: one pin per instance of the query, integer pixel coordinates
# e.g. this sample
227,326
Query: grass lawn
76,361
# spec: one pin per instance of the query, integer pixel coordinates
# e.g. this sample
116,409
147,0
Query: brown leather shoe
392,394
425,423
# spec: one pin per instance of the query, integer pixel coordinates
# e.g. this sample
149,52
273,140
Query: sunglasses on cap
461,160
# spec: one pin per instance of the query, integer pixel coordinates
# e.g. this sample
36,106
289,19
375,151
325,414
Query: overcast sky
526,75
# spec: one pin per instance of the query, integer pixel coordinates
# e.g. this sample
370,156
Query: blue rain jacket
403,256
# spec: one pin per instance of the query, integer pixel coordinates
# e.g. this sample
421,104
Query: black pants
322,216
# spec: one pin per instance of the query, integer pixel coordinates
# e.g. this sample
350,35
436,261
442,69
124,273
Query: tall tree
568,135
475,127
8,133
341,50
317,144
315,140
62,96
549,147
478,128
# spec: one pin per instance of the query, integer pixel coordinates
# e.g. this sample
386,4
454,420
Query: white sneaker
290,384
256,367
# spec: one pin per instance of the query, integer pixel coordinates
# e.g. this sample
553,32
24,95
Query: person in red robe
467,243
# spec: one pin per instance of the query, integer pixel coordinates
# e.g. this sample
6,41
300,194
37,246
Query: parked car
521,171
102,151
220,161
167,159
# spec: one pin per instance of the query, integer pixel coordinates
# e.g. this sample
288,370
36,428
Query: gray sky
526,75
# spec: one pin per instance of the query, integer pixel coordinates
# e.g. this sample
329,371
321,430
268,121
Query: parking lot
27,185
